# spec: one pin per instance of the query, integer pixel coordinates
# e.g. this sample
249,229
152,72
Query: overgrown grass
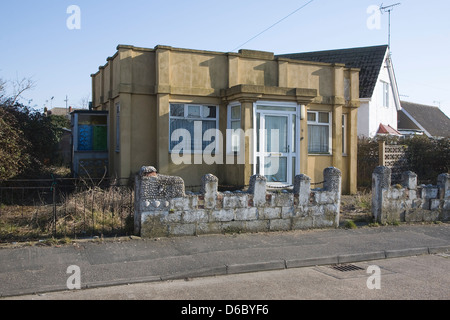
357,209
363,200
93,211
350,224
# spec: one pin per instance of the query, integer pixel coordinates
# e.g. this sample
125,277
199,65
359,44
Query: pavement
37,268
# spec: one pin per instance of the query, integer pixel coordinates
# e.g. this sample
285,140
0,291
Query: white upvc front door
276,142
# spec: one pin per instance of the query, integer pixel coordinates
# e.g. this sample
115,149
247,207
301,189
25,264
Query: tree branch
20,86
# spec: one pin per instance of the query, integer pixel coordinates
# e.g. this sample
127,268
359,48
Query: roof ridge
419,104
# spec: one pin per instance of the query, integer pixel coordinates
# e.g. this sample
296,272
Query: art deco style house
162,103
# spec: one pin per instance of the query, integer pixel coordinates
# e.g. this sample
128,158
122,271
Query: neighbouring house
57,111
419,119
162,101
65,112
378,92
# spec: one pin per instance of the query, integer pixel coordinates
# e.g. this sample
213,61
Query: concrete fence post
210,187
332,183
443,183
381,180
257,188
152,194
141,190
302,187
332,180
409,180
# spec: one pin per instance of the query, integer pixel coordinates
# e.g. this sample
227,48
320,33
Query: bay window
234,124
194,120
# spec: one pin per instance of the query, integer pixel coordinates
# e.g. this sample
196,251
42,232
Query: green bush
428,157
28,140
367,161
14,158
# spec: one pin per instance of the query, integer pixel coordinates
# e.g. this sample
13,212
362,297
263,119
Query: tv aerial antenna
388,9
67,100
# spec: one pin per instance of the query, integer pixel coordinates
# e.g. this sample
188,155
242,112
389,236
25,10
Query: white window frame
330,133
230,142
201,118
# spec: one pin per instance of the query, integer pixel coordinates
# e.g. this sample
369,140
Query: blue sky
35,41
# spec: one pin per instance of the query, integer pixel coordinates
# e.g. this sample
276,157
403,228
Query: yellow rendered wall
315,76
258,72
198,70
316,165
143,133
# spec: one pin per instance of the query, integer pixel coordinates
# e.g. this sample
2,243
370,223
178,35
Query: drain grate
346,267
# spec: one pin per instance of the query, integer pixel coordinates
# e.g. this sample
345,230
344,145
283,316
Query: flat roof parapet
256,54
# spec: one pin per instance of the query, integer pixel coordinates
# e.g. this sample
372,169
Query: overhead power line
292,13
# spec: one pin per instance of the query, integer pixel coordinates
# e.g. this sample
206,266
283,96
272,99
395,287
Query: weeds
350,224
364,201
84,212
356,208
53,242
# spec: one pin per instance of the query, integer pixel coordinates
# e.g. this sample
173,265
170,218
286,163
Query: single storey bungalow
193,112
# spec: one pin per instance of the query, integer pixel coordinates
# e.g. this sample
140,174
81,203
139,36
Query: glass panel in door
276,148
276,151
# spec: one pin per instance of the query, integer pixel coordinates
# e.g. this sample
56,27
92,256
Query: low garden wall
163,208
408,202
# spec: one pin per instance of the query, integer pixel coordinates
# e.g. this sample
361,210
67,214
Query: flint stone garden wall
408,202
164,209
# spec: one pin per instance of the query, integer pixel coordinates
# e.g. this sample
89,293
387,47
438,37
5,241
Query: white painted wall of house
363,118
372,112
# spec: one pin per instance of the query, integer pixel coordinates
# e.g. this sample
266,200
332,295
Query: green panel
100,138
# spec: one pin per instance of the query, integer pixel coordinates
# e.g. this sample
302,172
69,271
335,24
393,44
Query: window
385,93
347,89
92,133
319,133
344,134
194,120
234,123
117,127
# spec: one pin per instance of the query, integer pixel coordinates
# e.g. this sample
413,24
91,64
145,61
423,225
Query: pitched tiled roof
368,59
430,118
387,129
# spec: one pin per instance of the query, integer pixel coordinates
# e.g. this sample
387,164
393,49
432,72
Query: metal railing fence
65,207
